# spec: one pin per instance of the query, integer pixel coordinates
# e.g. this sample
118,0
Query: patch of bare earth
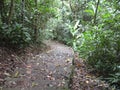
47,70
11,60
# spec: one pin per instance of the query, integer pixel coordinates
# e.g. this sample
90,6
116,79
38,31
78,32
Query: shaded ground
82,79
50,68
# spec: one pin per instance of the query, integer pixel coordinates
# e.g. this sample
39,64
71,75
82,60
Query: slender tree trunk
63,12
95,16
73,12
2,11
22,12
35,23
11,11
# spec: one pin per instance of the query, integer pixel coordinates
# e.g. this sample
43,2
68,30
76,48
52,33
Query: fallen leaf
65,68
16,74
57,65
7,74
50,77
28,66
1,80
68,60
49,51
37,64
34,84
87,82
78,65
28,71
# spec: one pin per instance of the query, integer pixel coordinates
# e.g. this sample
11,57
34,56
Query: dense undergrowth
22,22
101,51
91,27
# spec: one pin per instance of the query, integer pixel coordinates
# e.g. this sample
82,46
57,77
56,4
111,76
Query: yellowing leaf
34,84
68,60
7,74
57,65
16,74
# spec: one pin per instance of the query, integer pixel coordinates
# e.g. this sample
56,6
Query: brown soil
46,70
46,67
82,79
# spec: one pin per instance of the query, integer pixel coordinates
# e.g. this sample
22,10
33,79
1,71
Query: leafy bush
59,30
114,79
15,35
101,48
62,33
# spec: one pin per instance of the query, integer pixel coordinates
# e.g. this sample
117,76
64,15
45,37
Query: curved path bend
48,70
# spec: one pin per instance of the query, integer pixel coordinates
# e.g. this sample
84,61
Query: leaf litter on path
83,80
44,71
47,70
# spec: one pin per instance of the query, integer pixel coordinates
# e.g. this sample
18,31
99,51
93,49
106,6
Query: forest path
48,70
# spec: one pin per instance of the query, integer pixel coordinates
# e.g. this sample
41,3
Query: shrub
59,30
14,36
101,48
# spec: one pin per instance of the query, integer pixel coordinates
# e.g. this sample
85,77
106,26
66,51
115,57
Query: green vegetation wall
22,21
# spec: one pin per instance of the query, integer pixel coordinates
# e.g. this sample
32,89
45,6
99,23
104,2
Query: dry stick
19,59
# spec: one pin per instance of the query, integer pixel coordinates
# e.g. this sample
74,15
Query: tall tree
11,11
35,21
2,11
95,16
22,11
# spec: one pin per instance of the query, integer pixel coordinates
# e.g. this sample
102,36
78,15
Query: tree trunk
22,11
95,16
35,23
72,10
11,11
63,12
2,11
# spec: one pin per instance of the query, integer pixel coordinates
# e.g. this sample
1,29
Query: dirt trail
48,70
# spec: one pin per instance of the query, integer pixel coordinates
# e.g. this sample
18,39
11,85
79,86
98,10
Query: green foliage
62,33
24,21
59,30
114,78
98,43
101,49
15,35
94,34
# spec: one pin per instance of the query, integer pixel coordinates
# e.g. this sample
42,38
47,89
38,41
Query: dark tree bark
11,11
22,11
35,22
2,11
95,16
